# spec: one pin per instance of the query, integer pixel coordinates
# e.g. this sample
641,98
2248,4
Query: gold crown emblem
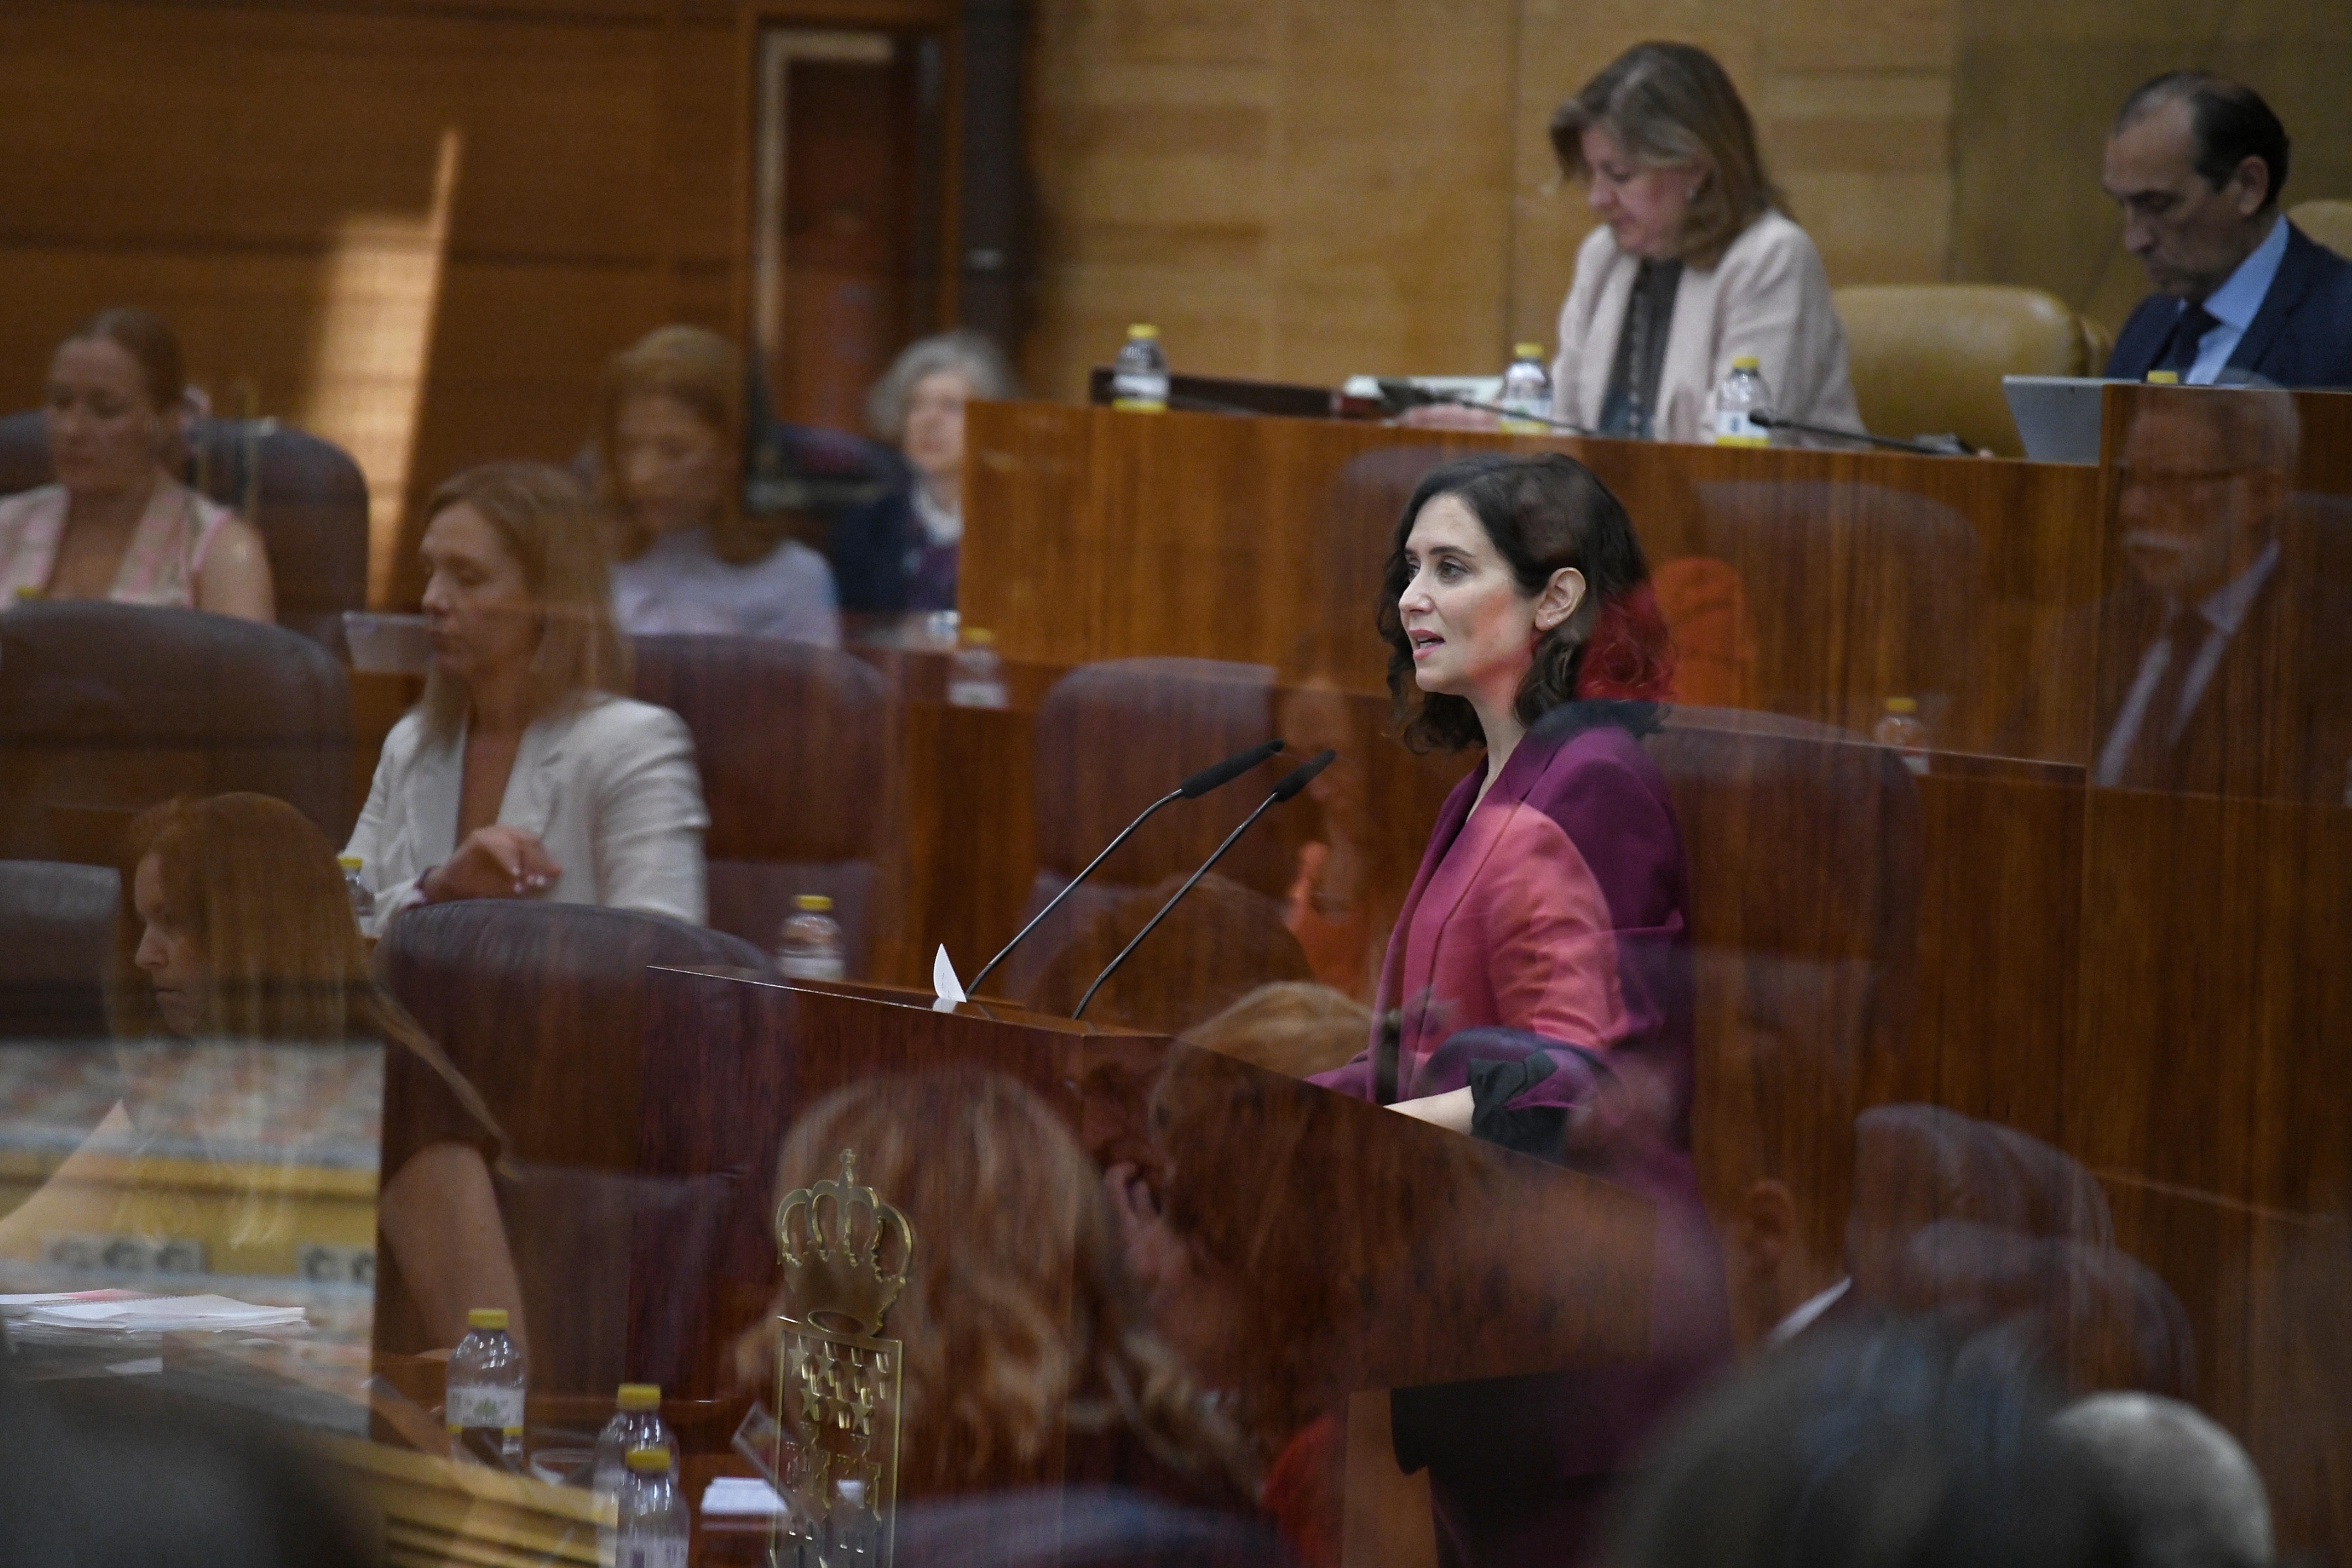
845,1253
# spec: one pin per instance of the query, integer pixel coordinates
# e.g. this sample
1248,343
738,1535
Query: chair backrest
2328,221
1116,736
1804,848
541,1008
1927,358
306,495
795,744
106,710
57,930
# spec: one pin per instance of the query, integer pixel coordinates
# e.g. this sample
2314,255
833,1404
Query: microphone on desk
1296,779
1398,395
1214,777
1924,448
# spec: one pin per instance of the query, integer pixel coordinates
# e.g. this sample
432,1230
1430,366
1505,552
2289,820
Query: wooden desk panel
1101,535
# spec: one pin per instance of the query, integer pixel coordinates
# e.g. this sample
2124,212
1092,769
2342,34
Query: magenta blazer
1555,908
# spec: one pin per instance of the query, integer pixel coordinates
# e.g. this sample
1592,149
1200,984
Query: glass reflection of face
168,953
671,465
933,441
1314,719
1471,626
477,601
1643,205
2192,512
104,434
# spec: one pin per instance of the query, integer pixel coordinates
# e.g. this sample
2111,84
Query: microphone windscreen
1299,777
1226,772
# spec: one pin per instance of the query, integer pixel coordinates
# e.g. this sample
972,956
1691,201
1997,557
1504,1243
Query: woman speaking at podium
1541,952
1692,265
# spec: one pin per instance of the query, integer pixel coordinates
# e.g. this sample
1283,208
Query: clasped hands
496,862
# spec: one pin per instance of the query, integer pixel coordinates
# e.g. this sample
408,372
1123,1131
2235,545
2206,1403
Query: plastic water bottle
356,885
1138,377
1901,729
809,947
484,1399
636,1424
976,671
1526,393
1742,394
652,1529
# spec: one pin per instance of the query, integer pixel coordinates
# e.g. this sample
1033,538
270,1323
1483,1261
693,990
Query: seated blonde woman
117,524
524,772
670,457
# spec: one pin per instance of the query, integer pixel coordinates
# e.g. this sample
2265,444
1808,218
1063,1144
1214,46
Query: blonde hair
703,371
548,524
1667,104
1018,1317
1296,1028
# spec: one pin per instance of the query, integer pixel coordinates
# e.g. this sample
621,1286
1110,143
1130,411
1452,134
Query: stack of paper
741,1496
151,1315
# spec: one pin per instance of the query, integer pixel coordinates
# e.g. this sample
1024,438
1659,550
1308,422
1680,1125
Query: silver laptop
2057,416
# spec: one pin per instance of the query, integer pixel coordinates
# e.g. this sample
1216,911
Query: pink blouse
159,566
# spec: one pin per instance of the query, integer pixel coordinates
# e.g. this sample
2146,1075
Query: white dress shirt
2223,612
2234,305
609,787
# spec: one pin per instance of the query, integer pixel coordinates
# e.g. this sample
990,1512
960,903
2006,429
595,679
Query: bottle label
810,966
967,693
485,1406
668,1551
1140,394
1734,428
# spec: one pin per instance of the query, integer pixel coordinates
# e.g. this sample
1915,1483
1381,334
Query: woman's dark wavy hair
1542,513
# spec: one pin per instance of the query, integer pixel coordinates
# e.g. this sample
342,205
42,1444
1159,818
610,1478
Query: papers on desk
114,1313
742,1497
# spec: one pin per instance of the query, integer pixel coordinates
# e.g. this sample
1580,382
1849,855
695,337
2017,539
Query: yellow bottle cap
641,1395
1143,330
650,1461
980,635
1903,705
819,903
1529,351
1745,362
28,592
487,1318
2164,378
350,862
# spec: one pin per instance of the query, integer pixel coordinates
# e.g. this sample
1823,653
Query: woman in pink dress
117,524
1537,988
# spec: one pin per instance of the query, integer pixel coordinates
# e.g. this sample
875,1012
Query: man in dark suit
2197,163
2219,657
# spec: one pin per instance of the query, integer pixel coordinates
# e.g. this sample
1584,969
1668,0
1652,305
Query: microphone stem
1171,904
1070,887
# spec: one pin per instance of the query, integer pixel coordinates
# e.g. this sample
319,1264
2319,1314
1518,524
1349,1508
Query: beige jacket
610,788
1768,296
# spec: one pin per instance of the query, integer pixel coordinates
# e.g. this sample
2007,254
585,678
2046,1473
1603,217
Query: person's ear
1559,598
1767,1224
2253,179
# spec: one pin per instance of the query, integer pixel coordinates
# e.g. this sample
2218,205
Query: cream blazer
609,787
1768,296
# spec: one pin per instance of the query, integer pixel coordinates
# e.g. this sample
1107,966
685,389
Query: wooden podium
1500,1264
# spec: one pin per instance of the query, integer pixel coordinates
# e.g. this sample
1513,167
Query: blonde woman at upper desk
1692,264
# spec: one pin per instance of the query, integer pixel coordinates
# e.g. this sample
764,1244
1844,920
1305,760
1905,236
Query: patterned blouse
159,566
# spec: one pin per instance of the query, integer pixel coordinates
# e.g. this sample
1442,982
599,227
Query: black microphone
1398,395
1194,788
1296,779
1924,448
